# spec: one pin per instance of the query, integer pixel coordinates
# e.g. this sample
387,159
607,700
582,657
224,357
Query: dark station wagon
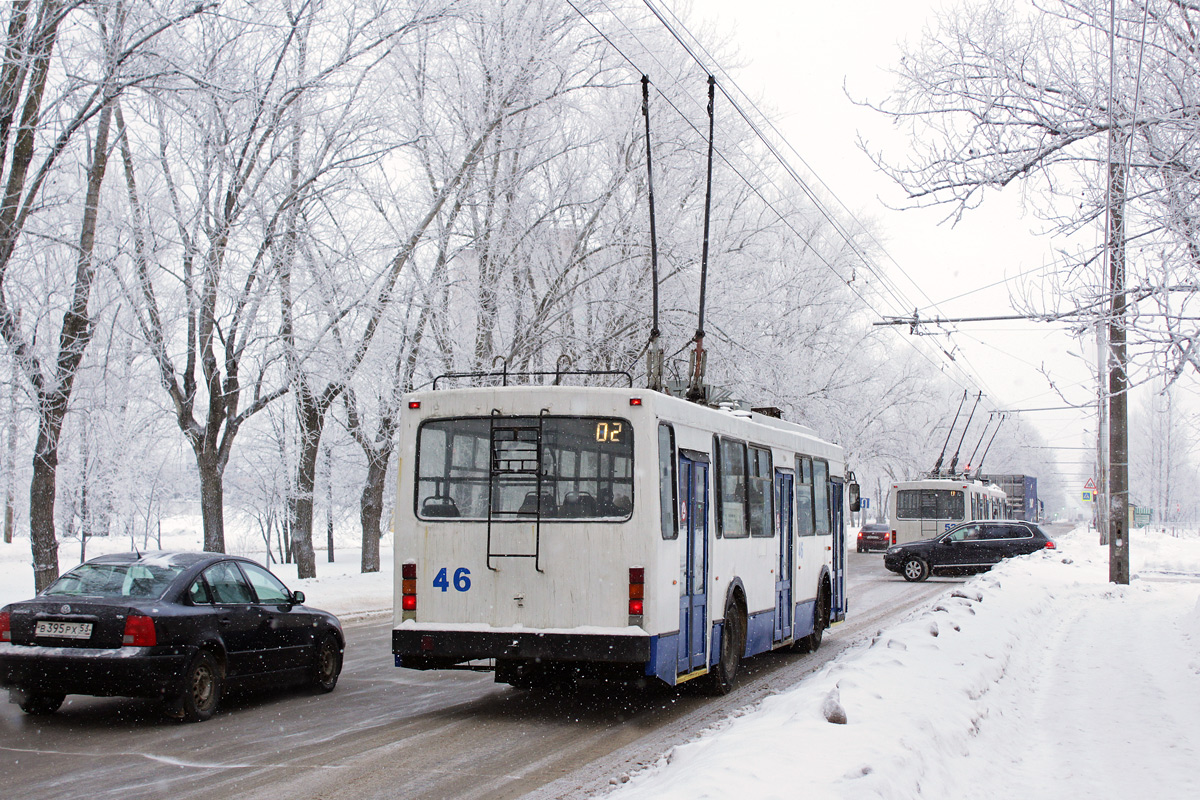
971,547
172,626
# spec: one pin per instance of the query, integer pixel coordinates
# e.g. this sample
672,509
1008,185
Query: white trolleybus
550,533
924,508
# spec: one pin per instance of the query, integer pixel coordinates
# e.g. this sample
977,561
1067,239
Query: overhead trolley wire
883,279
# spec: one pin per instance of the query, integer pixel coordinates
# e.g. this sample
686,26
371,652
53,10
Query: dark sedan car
874,536
967,548
174,626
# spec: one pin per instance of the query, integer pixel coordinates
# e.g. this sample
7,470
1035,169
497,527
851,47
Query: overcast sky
802,57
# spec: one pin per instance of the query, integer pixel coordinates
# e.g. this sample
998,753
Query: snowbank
339,587
1037,680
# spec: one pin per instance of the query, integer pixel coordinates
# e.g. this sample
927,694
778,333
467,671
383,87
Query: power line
971,376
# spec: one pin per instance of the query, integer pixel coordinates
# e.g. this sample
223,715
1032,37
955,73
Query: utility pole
1118,410
1118,382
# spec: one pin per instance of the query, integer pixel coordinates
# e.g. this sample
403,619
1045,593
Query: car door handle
225,620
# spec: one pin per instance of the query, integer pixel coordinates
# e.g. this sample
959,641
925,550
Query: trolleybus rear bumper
437,649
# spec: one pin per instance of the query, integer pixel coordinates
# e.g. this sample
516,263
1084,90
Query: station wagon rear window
530,468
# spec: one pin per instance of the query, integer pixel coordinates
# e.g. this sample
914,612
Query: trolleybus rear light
408,589
414,404
635,401
637,592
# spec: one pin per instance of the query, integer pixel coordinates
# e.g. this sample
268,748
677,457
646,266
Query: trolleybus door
783,580
693,567
837,605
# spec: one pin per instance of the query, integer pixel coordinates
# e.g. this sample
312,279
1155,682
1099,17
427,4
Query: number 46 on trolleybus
550,533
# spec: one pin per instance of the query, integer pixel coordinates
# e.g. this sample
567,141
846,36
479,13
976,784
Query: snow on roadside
1036,680
339,587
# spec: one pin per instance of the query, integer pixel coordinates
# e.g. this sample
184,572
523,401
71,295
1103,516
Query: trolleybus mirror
855,503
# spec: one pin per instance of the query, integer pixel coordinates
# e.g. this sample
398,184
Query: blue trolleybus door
693,566
837,606
783,580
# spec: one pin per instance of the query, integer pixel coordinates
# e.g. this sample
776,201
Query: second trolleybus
924,508
550,533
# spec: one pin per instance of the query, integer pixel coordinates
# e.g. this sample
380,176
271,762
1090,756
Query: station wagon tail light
408,590
1050,544
637,594
5,627
139,631
893,537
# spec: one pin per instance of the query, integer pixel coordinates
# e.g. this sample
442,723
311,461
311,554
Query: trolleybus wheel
810,643
733,644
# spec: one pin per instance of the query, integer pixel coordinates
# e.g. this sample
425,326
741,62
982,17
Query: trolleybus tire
810,643
733,644
916,569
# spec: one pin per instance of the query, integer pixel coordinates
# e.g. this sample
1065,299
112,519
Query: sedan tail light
5,627
139,631
1050,545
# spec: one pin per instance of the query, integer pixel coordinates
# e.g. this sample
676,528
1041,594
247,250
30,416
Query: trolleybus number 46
462,579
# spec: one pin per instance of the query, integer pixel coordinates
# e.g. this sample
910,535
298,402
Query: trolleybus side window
804,497
762,495
668,504
547,468
731,491
821,496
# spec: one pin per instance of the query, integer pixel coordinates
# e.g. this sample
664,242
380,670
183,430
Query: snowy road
395,733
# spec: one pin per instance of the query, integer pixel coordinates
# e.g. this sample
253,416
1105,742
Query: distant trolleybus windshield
547,468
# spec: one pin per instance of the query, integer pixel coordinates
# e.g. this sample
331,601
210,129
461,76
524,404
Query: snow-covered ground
1037,680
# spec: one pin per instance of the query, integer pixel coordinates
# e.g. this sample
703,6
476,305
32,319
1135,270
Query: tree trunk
42,540
370,511
311,417
212,502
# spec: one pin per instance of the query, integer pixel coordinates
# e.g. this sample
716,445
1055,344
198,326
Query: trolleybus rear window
929,504
547,468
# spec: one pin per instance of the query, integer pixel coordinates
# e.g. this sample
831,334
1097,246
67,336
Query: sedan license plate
64,630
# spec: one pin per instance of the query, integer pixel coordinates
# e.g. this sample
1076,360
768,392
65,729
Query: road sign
1091,484
866,502
1089,496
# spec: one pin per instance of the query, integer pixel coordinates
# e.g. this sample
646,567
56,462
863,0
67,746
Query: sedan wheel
329,663
202,687
915,569
40,705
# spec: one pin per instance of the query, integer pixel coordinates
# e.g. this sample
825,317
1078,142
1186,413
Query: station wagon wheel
40,705
915,569
202,687
328,664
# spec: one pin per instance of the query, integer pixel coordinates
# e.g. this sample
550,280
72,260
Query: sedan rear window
116,580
